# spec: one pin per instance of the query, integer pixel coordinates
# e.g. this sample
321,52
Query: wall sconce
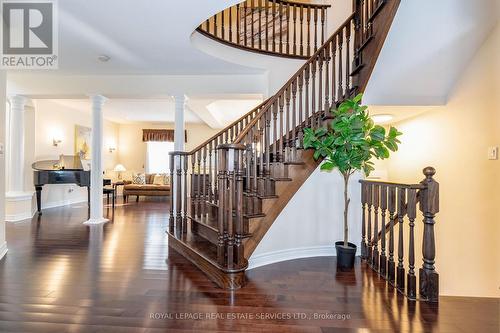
112,149
56,142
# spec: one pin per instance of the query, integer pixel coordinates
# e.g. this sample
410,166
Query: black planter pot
345,255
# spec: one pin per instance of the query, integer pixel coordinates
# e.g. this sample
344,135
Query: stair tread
206,220
199,244
212,222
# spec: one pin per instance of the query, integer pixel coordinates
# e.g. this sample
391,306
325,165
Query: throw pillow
139,179
166,179
159,179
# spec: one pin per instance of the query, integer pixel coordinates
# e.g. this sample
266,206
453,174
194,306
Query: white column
96,205
16,152
179,139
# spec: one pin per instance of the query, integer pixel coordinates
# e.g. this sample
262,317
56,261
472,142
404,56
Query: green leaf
327,166
321,131
316,154
391,145
339,141
329,140
358,98
377,133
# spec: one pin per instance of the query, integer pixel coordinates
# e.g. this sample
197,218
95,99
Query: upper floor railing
277,27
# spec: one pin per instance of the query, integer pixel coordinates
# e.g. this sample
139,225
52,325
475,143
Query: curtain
160,135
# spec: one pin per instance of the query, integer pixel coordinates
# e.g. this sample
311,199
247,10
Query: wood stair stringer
273,207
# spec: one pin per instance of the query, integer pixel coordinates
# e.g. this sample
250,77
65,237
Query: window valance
162,135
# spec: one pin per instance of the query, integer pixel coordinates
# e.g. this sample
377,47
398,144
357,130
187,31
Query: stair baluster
383,208
412,214
401,214
392,207
369,203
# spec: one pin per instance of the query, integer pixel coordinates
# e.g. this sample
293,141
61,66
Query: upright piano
67,170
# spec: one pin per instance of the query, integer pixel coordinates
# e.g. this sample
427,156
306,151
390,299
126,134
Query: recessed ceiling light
103,58
382,118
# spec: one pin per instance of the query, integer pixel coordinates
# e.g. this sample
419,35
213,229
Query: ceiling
215,111
428,47
140,37
398,113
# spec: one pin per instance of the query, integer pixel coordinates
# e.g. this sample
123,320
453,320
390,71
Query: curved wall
312,221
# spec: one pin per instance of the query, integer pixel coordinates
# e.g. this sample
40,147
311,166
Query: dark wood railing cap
178,152
237,146
391,184
301,4
429,172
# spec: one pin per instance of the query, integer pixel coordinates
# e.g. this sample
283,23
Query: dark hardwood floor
62,276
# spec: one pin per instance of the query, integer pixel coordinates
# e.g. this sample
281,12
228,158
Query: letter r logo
28,27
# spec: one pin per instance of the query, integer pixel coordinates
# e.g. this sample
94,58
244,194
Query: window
157,158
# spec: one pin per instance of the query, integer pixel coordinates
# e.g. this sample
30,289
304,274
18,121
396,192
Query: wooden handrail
303,4
225,129
392,184
294,77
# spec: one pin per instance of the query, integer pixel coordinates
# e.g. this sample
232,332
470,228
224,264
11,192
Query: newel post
171,215
222,188
429,205
239,228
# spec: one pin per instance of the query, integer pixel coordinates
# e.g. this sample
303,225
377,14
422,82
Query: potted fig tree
349,143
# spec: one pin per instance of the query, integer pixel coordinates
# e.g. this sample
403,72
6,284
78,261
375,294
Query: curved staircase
227,192
274,27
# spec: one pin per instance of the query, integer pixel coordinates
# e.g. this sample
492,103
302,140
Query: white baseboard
20,216
96,221
19,206
60,203
19,196
289,254
3,250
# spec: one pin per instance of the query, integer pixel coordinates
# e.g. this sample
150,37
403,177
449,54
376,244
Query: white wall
428,46
3,87
454,139
312,221
77,86
52,119
132,149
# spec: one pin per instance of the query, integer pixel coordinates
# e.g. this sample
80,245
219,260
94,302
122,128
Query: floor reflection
63,276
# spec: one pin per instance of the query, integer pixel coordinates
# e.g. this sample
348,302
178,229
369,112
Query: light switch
493,153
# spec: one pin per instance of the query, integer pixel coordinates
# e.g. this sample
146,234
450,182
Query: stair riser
252,205
266,187
279,170
204,231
